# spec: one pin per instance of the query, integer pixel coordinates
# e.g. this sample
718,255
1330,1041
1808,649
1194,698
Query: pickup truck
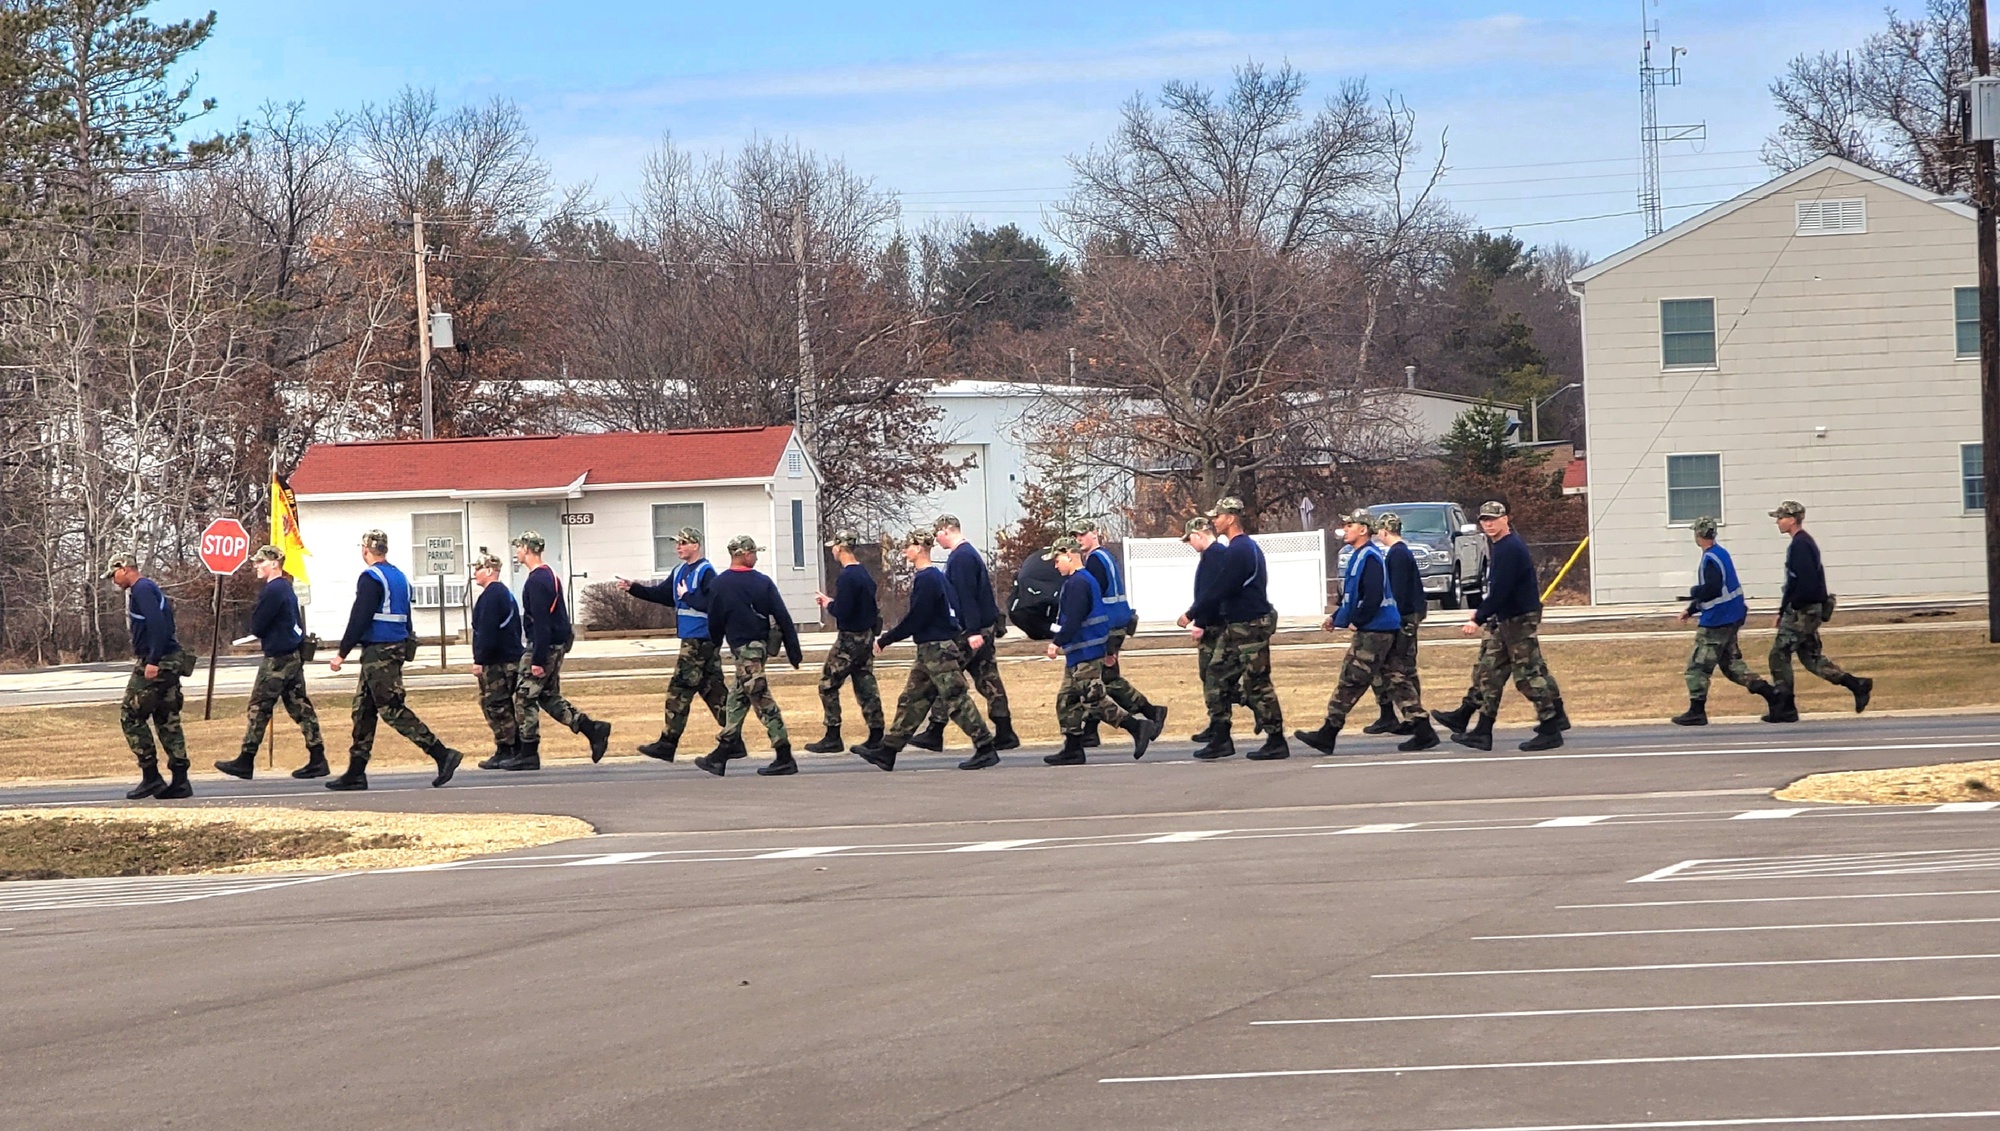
1450,551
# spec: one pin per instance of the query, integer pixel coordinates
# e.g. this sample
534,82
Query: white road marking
802,853
1634,1009
1693,966
1600,1062
1384,763
1776,899
1742,1121
143,891
609,858
1570,822
1827,864
1967,807
1734,930
1183,838
1376,829
1667,872
1767,814
996,845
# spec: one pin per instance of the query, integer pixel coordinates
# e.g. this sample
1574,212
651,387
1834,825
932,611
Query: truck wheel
1449,598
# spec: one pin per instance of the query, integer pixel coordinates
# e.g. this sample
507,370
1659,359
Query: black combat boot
1071,753
1422,737
178,787
1220,745
874,739
527,756
882,756
1784,709
1695,716
315,766
1004,737
447,761
1090,737
242,766
502,753
1456,721
1143,729
1480,737
1274,748
150,781
1385,723
1548,735
715,762
662,748
599,734
1561,716
830,744
1202,735
354,779
930,738
782,764
1323,738
983,755
1158,713
1862,689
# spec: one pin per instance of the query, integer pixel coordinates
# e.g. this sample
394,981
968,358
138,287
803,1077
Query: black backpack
1037,590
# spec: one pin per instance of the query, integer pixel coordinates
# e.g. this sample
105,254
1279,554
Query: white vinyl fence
1159,574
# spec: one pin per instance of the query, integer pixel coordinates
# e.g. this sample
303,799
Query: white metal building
1814,339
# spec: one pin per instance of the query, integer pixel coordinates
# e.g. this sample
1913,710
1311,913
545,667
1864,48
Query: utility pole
808,399
1651,132
1989,327
423,322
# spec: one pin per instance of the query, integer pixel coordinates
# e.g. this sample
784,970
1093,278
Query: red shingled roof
1576,477
513,463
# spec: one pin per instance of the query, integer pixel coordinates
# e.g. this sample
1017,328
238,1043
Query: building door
544,519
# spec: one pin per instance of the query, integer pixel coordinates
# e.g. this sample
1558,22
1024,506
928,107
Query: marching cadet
856,620
379,623
979,614
1805,606
153,695
281,678
743,608
698,668
939,671
496,659
1718,601
1510,616
1199,533
1369,606
1242,666
1081,641
1104,569
1406,581
545,619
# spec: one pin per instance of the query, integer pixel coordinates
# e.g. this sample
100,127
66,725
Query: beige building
1813,339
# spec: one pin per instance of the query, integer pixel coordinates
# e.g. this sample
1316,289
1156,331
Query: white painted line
1776,899
1694,966
802,853
1487,760
1768,814
1183,838
1734,930
1665,872
1966,807
608,858
1745,1121
1634,1009
1375,829
1568,822
997,845
1609,1061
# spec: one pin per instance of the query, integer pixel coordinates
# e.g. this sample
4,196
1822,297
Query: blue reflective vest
1113,596
1387,618
1094,638
691,623
1728,607
392,620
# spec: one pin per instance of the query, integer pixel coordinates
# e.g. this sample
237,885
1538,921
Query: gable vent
1832,217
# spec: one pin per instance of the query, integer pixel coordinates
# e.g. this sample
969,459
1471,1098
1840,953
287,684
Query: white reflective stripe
693,614
393,618
1727,596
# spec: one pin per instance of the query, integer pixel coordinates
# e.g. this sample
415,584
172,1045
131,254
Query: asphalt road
1624,933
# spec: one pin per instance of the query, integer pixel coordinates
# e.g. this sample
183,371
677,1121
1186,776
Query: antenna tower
1651,132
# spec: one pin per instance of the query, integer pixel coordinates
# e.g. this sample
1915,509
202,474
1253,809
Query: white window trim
1960,481
1957,356
653,527
1715,331
1721,488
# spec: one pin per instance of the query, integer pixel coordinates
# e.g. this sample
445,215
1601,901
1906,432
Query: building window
798,534
1965,303
795,465
1687,332
1832,217
668,518
1972,475
1694,488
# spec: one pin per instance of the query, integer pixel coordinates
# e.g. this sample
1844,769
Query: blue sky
974,109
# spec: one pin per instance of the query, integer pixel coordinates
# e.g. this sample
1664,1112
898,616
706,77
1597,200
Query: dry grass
1602,680
1903,785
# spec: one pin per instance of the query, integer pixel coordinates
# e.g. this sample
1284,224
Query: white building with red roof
609,505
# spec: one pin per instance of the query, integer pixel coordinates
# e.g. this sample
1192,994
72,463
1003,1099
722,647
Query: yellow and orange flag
285,529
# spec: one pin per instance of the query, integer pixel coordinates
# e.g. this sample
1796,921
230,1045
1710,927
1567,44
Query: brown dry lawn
1903,785
1602,680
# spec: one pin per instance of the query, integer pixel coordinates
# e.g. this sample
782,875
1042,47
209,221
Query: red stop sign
225,546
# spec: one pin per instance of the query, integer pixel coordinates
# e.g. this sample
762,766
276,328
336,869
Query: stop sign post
225,546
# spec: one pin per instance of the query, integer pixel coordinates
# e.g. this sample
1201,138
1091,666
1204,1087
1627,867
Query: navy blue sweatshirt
496,626
545,614
853,607
1511,589
1239,594
1406,581
930,617
152,617
274,619
742,603
367,599
971,588
1805,576
1206,572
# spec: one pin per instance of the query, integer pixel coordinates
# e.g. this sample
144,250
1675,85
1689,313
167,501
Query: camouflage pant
1712,647
1242,669
1213,695
852,658
154,705
982,674
750,692
698,671
1083,697
1367,660
1510,648
1400,663
497,683
536,693
1798,633
1121,691
380,695
938,675
281,679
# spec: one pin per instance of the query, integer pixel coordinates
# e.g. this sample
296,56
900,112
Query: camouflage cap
376,540
1789,509
1227,504
268,554
920,536
1703,527
1067,544
1083,526
1358,517
1199,524
1493,508
844,538
687,536
743,544
121,561
1389,521
532,541
486,560
946,521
